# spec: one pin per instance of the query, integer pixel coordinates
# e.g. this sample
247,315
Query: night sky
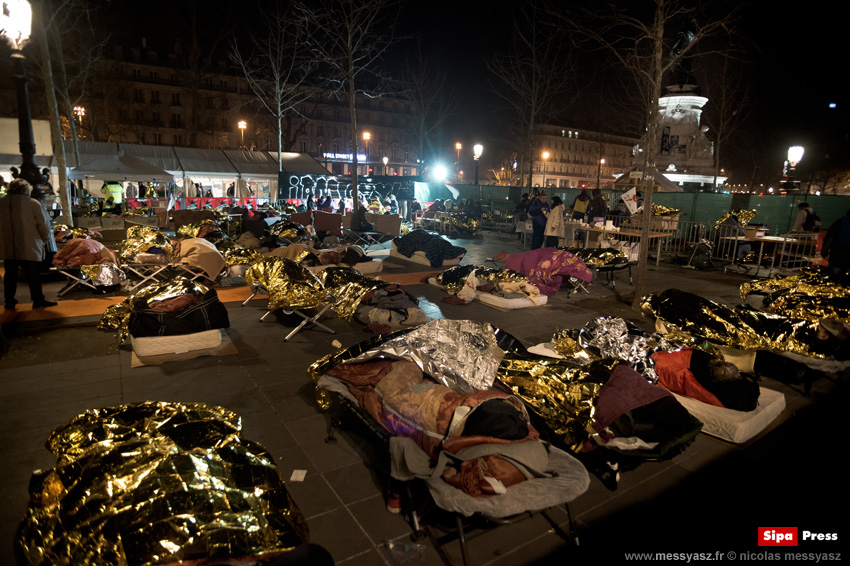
796,59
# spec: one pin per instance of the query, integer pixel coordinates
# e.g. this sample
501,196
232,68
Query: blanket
547,267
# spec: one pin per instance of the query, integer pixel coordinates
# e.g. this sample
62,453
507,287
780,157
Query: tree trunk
352,95
55,129
651,150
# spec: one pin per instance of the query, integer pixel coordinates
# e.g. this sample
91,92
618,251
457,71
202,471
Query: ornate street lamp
458,147
15,26
795,155
545,157
477,150
386,160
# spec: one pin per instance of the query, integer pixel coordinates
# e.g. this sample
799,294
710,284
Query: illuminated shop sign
343,156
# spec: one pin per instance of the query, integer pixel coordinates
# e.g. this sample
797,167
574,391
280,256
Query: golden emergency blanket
559,391
142,238
348,287
742,328
198,229
462,221
156,483
744,217
597,257
239,256
811,295
289,285
453,279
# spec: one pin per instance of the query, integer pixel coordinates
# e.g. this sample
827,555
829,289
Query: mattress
501,302
366,267
419,257
736,426
158,345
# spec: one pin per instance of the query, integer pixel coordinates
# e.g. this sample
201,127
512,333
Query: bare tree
727,87
531,78
431,103
644,45
278,69
349,38
77,49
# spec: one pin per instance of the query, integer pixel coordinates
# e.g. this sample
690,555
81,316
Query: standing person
23,241
405,195
113,189
131,191
311,205
598,208
555,228
806,220
415,209
231,190
836,247
580,205
537,211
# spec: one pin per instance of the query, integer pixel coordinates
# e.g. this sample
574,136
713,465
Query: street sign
635,174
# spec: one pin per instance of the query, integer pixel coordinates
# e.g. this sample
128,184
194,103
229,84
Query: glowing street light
15,27
545,156
242,124
795,155
386,160
477,150
439,173
458,147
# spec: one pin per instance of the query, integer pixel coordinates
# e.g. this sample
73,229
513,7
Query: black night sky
795,56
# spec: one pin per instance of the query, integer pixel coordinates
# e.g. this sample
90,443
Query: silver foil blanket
614,338
460,354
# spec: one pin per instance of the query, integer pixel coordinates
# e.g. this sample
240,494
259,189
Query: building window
175,99
152,58
176,121
320,131
223,84
155,118
138,95
303,145
157,139
178,139
153,76
155,96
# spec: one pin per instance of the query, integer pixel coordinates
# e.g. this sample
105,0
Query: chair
257,288
328,221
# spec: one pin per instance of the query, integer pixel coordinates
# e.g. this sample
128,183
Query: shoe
43,303
393,502
9,307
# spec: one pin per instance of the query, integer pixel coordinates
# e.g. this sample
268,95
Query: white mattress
365,267
736,426
158,345
419,257
500,302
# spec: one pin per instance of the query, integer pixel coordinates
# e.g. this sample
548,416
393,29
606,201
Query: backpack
812,222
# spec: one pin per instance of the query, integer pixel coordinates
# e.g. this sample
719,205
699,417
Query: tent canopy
205,162
161,156
662,184
299,163
120,167
252,163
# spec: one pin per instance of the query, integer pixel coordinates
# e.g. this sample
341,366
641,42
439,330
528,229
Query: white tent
120,167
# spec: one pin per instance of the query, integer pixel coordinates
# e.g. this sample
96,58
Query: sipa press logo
778,536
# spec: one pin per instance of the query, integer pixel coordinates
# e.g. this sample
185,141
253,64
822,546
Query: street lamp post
386,160
477,150
599,172
545,157
242,124
15,26
458,147
366,137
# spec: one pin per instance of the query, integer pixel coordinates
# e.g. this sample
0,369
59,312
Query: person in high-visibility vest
113,189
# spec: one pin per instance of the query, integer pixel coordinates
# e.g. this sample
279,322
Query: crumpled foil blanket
156,483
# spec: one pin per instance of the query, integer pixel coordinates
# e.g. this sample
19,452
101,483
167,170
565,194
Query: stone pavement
710,498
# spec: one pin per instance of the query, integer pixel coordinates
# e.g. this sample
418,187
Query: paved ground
711,498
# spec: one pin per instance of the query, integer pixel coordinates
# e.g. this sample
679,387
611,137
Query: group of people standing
548,221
